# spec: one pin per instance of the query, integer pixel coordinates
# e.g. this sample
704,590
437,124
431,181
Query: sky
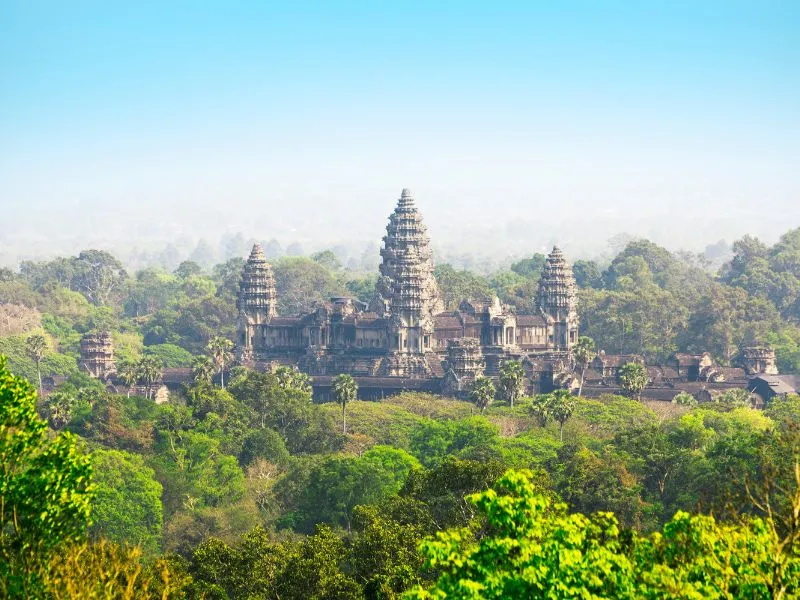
516,124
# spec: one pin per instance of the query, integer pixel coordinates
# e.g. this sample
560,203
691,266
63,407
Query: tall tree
149,371
98,274
511,378
59,407
561,405
202,369
482,392
540,408
584,352
128,372
36,346
220,350
345,390
633,378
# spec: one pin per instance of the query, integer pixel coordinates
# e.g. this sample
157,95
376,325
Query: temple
404,339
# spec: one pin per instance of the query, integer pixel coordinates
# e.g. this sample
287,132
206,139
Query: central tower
557,300
406,291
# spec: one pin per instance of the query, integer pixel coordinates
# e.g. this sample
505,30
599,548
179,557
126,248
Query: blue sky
287,119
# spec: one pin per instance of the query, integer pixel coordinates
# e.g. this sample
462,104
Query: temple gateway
404,339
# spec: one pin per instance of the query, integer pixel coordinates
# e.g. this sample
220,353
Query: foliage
45,484
170,355
633,378
127,508
537,549
220,350
345,390
584,352
685,399
482,392
511,380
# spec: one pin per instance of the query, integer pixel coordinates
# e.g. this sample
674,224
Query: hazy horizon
134,127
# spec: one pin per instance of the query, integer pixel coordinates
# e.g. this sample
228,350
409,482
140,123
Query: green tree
202,369
36,346
59,407
535,549
633,378
540,408
129,374
97,274
148,371
345,390
512,376
293,378
685,399
561,405
482,392
584,352
45,485
188,269
128,503
337,485
220,351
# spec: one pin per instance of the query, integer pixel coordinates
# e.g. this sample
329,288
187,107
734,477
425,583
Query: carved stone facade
759,360
257,303
463,365
97,355
557,299
404,333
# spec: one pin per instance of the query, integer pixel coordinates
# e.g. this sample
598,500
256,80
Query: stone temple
404,339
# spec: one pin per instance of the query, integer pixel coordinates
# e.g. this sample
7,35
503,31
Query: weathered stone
557,299
97,355
759,359
257,302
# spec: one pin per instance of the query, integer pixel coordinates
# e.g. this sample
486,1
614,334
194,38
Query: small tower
464,364
759,360
257,301
557,300
406,290
97,355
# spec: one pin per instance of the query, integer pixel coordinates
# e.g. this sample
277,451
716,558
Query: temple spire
406,287
557,299
257,295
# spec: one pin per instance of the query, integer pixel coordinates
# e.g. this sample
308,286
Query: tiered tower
406,289
557,299
257,301
464,364
97,355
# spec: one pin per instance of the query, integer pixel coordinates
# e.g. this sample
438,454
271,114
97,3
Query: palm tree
633,377
584,352
129,374
540,408
482,392
59,409
202,369
561,406
511,377
149,371
294,379
36,346
345,389
220,350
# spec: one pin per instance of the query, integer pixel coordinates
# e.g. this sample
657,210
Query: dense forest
251,490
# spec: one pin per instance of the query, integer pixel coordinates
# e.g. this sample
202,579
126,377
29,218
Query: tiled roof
530,321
